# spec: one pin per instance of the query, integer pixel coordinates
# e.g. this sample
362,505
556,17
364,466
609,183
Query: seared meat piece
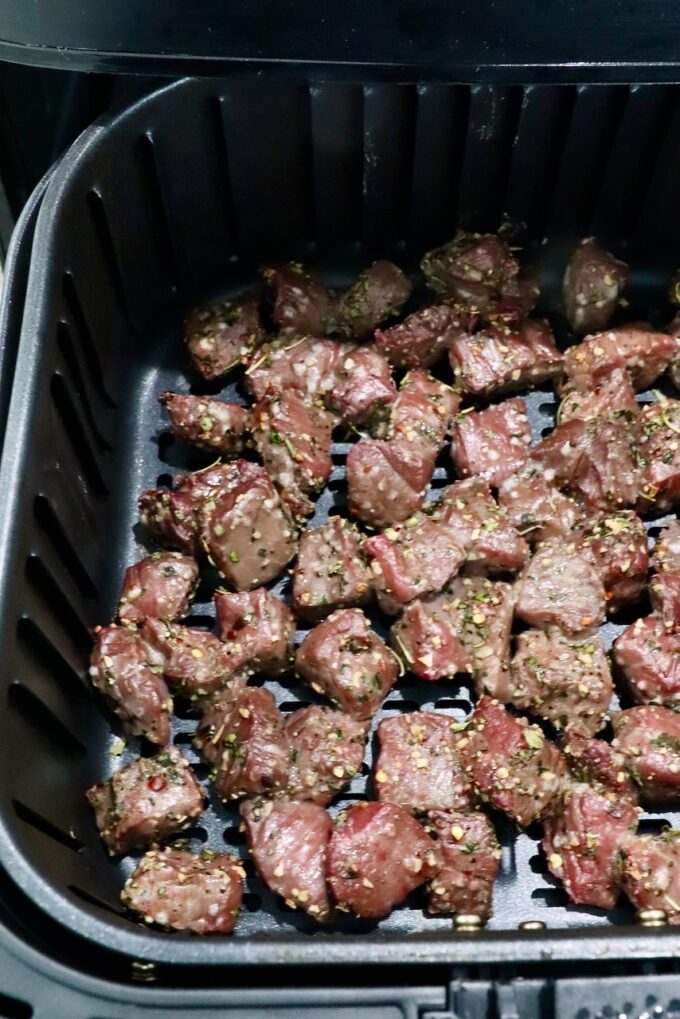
345,660
377,854
208,424
421,339
425,638
476,269
307,366
221,334
246,530
510,762
593,283
481,527
535,506
243,737
664,590
501,358
649,739
412,559
124,669
418,766
161,586
566,682
616,545
649,657
660,453
517,300
145,802
257,628
651,873
644,353
379,293
559,587
469,855
194,662
492,443
301,300
363,388
326,752
386,480
666,552
482,612
187,891
294,440
289,843
423,412
330,572
613,395
599,764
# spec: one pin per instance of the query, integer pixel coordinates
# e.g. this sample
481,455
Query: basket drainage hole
12,1008
164,480
252,902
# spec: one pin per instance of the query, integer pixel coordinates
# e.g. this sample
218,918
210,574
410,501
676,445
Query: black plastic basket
175,200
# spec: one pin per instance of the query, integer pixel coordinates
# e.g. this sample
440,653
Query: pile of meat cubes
505,577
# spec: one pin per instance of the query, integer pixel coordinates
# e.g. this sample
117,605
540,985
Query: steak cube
421,339
492,443
187,891
124,669
146,801
423,412
243,737
476,269
469,856
220,334
510,762
644,353
503,357
289,844
648,736
207,424
363,387
660,453
301,300
377,854
330,572
520,294
326,752
418,766
616,545
387,480
308,367
481,527
666,552
194,662
565,682
535,506
600,765
161,586
559,587
425,638
379,293
649,658
343,659
592,285
651,873
664,591
613,395
482,612
257,629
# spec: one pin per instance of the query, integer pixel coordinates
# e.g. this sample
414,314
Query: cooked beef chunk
257,628
379,293
492,443
645,354
326,752
613,395
418,766
145,802
301,300
660,453
386,480
423,412
412,559
425,639
243,737
481,527
518,298
421,339
294,440
468,855
651,873
601,765
666,552
289,843
161,586
476,269
187,891
221,334
195,663
377,854
616,545
559,587
565,682
649,658
535,506
648,736
510,762
124,669
307,366
503,357
363,388
664,590
592,286
345,660
208,424
482,612
330,572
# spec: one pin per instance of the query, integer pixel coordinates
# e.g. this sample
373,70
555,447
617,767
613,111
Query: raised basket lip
602,944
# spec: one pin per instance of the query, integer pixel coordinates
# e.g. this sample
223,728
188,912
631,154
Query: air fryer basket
179,199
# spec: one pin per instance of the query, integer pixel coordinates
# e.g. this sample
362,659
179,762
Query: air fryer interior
180,199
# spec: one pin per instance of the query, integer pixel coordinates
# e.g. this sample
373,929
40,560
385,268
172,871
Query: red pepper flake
156,783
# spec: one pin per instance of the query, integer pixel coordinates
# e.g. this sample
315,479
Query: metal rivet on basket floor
652,918
468,922
532,925
144,972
